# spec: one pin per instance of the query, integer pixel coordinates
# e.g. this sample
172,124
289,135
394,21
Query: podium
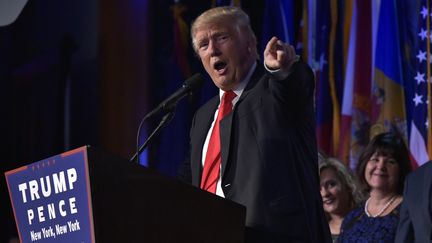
85,195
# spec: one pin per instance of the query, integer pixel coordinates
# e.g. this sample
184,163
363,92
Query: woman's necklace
382,209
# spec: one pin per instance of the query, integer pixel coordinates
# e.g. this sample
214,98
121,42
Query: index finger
271,45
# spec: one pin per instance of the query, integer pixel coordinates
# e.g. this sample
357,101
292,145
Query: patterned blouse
358,227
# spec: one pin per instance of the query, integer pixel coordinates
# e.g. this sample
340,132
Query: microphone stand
168,107
165,119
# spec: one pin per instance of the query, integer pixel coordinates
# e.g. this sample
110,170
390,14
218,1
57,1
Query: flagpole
333,93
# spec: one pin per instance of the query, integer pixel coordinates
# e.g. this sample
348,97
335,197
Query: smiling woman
381,170
339,191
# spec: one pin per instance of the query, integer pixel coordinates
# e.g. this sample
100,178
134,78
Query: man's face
225,54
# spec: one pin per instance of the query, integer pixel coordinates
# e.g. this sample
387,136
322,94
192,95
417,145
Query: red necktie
210,175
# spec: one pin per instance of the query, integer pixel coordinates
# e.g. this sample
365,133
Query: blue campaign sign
51,199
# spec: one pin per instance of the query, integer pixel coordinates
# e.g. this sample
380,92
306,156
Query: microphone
9,11
190,85
168,106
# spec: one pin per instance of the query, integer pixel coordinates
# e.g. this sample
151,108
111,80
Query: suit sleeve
297,88
404,231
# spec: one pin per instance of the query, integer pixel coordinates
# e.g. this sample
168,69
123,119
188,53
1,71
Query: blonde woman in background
339,191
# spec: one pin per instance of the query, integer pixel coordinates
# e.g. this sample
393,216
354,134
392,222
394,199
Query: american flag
417,62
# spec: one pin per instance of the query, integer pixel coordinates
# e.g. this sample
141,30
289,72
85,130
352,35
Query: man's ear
249,45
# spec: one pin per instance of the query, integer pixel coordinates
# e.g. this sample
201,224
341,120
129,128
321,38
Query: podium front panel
51,199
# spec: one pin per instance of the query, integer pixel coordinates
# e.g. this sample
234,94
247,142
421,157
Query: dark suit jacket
269,156
415,223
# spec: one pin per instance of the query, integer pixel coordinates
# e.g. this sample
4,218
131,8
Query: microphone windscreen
194,82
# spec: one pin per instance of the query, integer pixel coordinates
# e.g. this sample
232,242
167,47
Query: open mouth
220,67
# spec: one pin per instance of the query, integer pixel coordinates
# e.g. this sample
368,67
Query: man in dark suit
415,223
263,154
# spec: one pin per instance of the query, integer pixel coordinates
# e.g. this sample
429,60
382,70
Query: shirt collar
238,90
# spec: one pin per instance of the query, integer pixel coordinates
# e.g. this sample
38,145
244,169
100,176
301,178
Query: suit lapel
256,76
225,137
226,123
203,121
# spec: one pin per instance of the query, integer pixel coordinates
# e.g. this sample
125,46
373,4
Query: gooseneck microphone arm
165,120
167,107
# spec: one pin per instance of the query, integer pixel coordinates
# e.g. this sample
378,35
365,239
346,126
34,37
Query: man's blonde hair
234,15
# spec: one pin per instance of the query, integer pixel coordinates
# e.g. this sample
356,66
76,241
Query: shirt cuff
281,74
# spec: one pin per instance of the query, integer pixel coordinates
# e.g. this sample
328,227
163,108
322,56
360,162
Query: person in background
381,171
415,223
254,143
339,191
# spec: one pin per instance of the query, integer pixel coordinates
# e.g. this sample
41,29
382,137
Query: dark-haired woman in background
381,171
